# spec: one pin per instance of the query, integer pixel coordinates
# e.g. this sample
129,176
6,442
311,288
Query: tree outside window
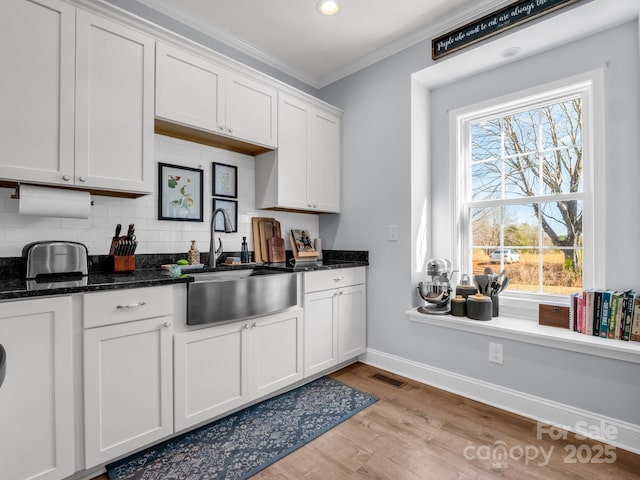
525,195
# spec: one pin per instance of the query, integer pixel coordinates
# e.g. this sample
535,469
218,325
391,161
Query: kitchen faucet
228,228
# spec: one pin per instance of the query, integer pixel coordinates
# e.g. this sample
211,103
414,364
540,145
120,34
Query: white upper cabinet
77,98
37,88
202,95
114,106
189,90
304,173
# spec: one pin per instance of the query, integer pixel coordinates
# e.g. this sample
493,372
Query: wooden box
553,315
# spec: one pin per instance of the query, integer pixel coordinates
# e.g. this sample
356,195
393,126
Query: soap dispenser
193,255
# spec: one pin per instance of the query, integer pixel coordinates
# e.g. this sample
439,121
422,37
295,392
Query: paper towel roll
53,202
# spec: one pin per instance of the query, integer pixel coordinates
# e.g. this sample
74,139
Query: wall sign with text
492,24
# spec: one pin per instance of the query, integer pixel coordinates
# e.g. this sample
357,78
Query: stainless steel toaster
54,258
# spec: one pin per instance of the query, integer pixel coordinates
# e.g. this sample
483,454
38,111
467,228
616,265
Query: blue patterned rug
242,444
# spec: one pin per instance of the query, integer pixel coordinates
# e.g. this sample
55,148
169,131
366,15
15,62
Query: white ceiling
293,37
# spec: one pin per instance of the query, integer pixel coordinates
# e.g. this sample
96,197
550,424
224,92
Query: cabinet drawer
126,305
327,279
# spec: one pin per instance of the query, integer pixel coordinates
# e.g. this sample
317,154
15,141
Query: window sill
529,331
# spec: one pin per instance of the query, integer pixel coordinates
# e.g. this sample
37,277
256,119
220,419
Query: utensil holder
495,305
124,264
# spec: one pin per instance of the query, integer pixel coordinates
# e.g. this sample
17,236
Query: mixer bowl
437,293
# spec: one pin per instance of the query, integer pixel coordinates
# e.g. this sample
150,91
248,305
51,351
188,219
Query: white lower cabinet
128,377
223,367
36,397
335,317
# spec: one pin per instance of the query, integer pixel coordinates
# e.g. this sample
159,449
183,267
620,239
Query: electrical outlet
393,233
495,353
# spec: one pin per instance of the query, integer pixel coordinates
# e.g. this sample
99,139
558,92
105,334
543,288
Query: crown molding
173,10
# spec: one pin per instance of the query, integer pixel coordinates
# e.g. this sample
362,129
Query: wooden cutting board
257,249
276,249
263,230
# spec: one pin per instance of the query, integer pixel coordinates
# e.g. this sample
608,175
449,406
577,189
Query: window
524,189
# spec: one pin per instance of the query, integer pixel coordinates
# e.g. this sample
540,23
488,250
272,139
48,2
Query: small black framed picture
231,206
225,180
179,193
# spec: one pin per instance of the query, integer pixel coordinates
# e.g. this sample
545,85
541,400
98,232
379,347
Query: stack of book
606,313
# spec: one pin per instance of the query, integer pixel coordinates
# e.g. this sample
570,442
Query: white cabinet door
37,41
351,322
197,93
294,150
304,172
320,331
221,368
277,347
114,106
211,372
128,385
189,90
36,398
324,164
334,317
251,110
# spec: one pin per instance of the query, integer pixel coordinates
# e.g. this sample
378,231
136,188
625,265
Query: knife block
124,264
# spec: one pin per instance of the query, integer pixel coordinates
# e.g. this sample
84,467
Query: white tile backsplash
154,236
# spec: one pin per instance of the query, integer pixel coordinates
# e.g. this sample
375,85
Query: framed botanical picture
179,193
231,206
225,180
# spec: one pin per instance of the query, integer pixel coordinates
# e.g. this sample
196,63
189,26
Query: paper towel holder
16,194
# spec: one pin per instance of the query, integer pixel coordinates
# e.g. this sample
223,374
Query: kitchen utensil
495,284
482,282
131,232
114,241
503,285
276,248
257,250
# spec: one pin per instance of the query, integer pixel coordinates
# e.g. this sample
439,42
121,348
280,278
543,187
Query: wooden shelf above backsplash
189,134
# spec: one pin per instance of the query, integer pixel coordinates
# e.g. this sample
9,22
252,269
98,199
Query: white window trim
591,84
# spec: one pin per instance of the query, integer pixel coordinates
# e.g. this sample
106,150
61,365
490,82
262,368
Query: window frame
590,88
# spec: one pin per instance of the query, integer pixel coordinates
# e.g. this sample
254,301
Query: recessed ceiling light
328,7
510,52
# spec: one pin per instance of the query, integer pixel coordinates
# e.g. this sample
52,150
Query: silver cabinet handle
167,324
246,326
337,279
66,178
132,305
221,128
255,324
340,292
3,364
82,179
230,130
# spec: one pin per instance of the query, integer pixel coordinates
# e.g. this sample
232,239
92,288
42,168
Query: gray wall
376,192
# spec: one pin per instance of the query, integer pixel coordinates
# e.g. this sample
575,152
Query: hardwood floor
416,432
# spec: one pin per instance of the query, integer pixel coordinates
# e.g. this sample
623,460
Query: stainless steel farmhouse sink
235,294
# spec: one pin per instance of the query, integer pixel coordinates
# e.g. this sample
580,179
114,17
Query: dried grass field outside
523,275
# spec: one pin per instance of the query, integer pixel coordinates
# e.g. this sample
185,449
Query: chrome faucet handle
219,249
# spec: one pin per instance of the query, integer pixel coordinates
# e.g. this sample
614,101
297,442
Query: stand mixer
436,292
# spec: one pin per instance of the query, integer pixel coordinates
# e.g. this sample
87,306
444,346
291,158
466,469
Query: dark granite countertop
13,286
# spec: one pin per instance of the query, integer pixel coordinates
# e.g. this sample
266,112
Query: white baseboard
626,436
